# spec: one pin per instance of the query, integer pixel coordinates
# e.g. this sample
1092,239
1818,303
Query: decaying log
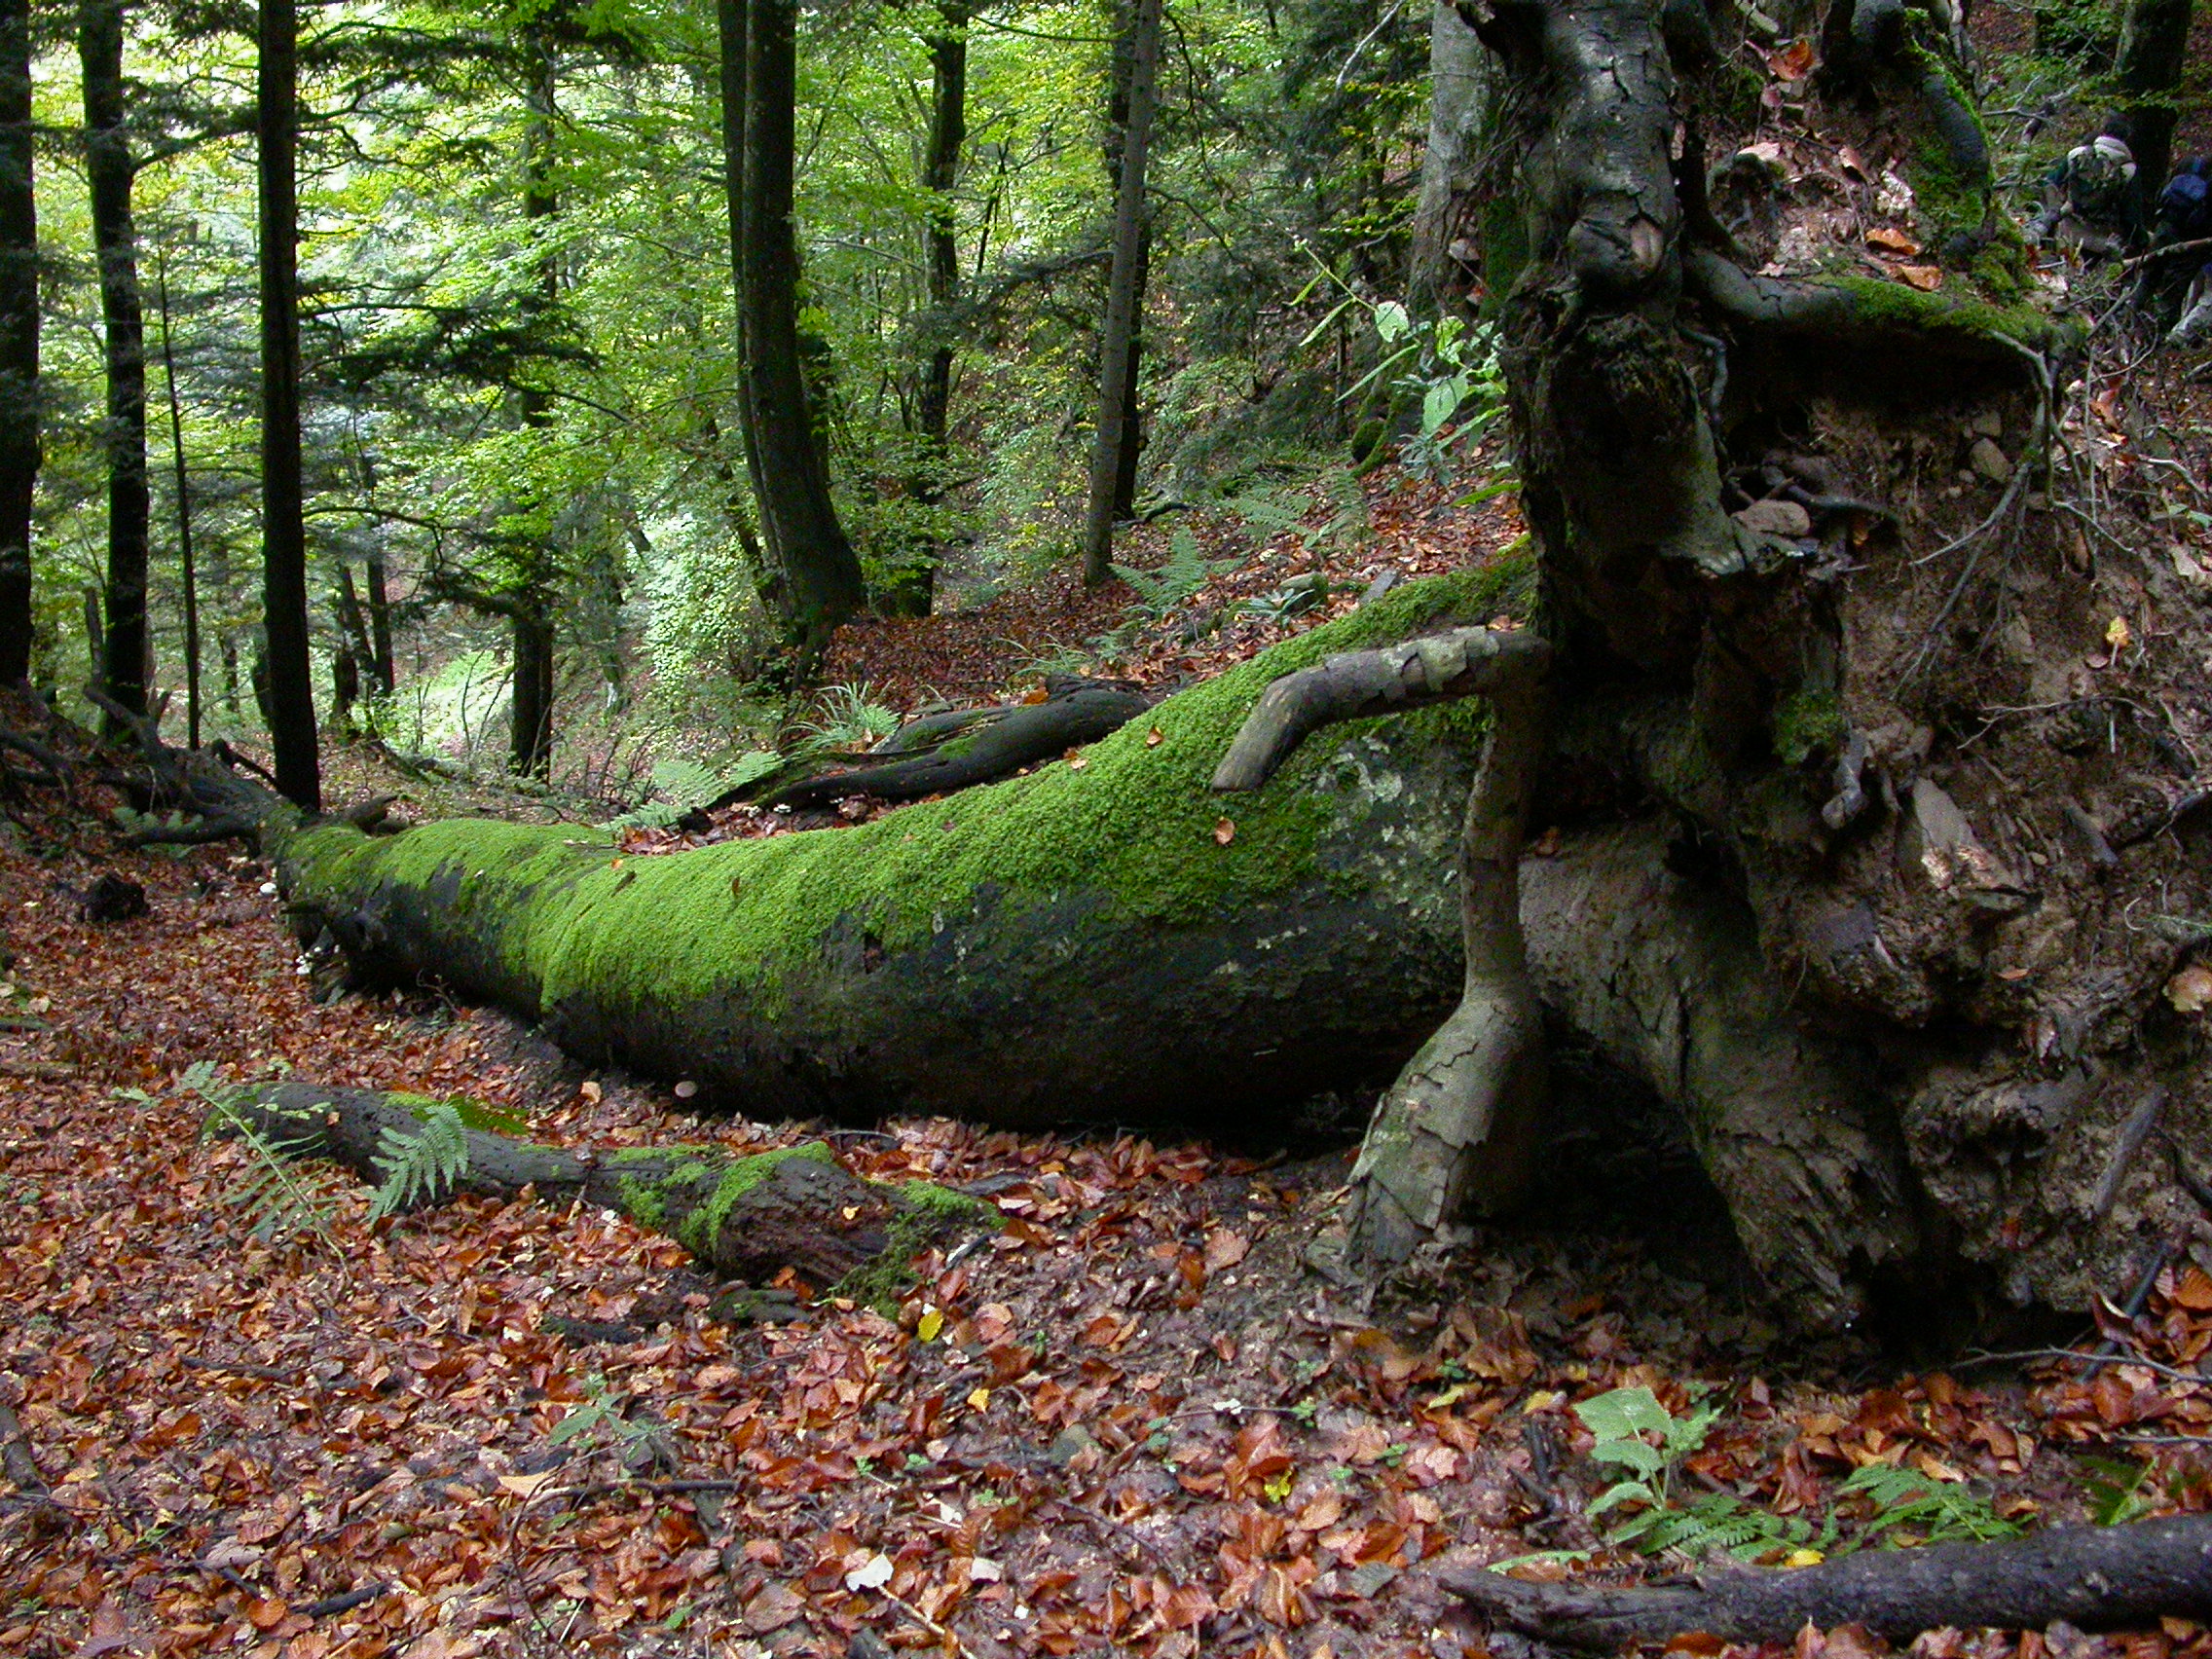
939,754
224,805
746,1218
1087,944
2095,1578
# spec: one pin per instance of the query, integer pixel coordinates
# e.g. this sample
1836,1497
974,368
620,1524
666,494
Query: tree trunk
283,532
2154,51
745,1218
110,171
732,16
530,709
822,574
912,595
1116,438
19,411
1460,77
532,641
1099,943
378,597
187,574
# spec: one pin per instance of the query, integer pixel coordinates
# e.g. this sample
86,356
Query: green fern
1940,1511
424,1163
685,786
1188,570
278,1200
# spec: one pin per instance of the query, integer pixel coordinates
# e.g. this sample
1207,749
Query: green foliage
601,1417
685,786
2114,1490
1936,1511
279,1202
1633,1431
1162,592
422,1163
850,718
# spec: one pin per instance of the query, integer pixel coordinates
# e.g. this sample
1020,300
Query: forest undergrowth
1130,1421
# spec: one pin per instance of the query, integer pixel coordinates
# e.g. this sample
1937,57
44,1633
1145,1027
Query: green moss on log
564,912
926,1214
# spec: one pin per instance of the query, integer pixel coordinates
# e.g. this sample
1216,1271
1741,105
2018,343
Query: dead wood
2097,1577
746,1218
975,746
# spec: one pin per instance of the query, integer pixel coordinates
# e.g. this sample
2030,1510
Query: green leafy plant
850,718
1162,592
685,786
602,1411
280,1199
424,1163
2116,1490
1939,1512
1636,1433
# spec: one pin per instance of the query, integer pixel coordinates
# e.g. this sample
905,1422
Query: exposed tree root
2090,1577
746,1218
1452,1136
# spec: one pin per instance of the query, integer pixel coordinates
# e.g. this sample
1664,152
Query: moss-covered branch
744,1217
1091,941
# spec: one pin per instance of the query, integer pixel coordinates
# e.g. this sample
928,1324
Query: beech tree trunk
1460,75
533,642
1105,944
2154,51
187,572
822,576
290,702
20,411
110,172
1114,447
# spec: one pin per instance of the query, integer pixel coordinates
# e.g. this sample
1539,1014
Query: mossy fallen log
744,1217
1093,941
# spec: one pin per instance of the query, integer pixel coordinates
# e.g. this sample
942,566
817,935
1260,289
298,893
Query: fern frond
424,1163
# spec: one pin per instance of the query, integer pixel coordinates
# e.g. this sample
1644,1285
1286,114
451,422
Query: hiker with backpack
2177,266
2090,201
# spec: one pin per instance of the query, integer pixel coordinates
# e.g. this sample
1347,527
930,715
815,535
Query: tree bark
1115,434
822,574
731,19
110,171
2154,51
912,595
532,641
379,596
746,1218
1460,78
20,398
284,530
188,573
2095,1578
1099,943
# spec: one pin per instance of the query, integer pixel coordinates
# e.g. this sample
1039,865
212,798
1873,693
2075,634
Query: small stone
1989,423
1988,462
1072,1443
1775,518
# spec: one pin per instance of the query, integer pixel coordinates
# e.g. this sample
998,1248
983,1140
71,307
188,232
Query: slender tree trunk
290,704
941,170
345,662
2153,50
379,598
189,575
1460,78
1116,430
19,340
109,171
821,572
730,20
529,740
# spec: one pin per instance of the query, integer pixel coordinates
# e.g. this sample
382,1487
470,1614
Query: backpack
2185,206
2100,183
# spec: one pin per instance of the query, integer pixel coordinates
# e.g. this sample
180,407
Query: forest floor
1131,1422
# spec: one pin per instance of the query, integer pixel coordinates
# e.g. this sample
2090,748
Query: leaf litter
1131,1423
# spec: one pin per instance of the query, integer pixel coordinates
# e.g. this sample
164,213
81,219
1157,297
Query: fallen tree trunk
1093,942
746,1218
957,751
2097,1577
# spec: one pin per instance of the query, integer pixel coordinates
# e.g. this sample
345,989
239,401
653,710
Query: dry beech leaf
2116,634
1153,738
527,1485
1892,241
1793,62
1076,760
873,1573
1926,277
2190,989
1225,1250
1223,833
590,1089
